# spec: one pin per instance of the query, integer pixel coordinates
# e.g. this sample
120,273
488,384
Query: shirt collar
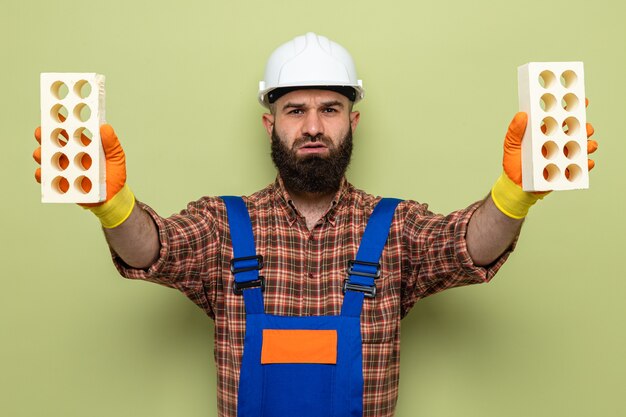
290,209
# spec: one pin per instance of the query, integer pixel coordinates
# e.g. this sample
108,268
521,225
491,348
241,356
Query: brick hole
571,149
59,137
549,149
60,161
83,184
551,172
82,88
59,113
568,79
573,172
59,90
83,136
548,126
82,112
60,184
570,126
546,79
83,161
569,102
547,102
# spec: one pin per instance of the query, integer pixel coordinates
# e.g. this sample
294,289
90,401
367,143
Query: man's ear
268,123
355,116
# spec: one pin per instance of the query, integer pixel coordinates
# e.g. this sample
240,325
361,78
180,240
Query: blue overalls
303,366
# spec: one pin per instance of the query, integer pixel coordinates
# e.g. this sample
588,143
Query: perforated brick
554,147
72,159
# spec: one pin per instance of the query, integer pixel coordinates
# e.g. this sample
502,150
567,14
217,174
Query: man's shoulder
217,200
364,199
358,197
263,195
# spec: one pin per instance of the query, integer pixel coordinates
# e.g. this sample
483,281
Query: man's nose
312,125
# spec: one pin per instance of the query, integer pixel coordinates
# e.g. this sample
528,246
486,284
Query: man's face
311,133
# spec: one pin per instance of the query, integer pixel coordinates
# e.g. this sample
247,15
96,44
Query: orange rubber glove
507,193
120,200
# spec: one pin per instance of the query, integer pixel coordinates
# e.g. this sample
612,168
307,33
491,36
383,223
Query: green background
545,338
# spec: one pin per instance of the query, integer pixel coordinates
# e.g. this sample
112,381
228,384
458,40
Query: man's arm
136,240
496,223
129,229
490,233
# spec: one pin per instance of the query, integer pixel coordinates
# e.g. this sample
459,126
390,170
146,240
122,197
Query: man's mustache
305,140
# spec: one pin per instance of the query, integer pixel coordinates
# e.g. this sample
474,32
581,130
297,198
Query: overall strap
366,267
245,264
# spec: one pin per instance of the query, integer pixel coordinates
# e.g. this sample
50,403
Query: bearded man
317,334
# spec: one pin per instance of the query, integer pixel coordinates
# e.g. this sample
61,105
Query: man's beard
312,173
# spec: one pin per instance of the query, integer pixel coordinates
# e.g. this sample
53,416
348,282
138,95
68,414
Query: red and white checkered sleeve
435,255
189,255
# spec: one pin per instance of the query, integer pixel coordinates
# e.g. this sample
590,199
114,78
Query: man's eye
296,111
330,110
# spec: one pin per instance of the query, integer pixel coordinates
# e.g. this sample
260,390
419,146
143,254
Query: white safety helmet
310,61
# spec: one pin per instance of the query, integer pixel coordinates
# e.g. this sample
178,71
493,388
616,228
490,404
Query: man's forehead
312,97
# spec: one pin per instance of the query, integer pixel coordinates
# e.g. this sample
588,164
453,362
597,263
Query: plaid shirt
304,271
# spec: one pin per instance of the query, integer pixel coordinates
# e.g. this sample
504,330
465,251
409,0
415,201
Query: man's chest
304,272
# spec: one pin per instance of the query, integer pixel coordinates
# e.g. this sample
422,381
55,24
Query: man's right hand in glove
120,200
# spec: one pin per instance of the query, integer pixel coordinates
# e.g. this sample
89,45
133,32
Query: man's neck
311,205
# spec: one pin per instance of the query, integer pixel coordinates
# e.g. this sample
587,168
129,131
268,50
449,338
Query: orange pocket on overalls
299,346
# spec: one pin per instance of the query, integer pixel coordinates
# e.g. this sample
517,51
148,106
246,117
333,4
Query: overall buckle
374,275
368,290
258,266
238,287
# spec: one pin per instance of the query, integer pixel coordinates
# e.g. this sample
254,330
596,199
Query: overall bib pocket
298,365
